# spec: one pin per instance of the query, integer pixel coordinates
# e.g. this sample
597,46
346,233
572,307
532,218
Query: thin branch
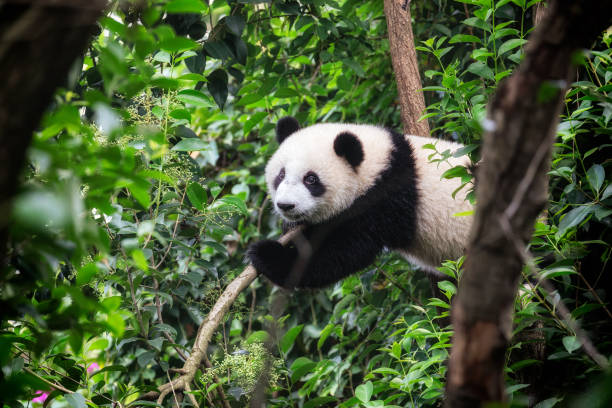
566,315
176,223
161,320
595,295
217,380
52,384
135,306
252,309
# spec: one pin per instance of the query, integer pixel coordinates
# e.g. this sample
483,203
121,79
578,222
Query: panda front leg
318,258
273,260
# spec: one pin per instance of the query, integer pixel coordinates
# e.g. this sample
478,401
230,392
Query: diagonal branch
208,327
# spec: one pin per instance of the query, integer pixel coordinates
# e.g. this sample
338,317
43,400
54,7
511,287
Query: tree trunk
512,191
404,59
39,41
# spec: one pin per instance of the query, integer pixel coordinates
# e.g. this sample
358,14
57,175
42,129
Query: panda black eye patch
279,177
313,184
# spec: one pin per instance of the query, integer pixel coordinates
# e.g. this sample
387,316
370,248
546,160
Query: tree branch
208,327
405,67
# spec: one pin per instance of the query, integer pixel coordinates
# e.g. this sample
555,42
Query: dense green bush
145,185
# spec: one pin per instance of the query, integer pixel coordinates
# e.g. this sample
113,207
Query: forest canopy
143,187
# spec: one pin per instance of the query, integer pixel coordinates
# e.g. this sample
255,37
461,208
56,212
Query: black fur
279,178
317,189
347,145
285,127
385,216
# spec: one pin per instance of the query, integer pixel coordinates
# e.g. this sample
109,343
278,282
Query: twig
252,310
217,380
173,232
263,204
399,286
527,259
52,384
138,315
594,293
161,320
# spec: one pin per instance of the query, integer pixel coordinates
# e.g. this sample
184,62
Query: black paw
272,260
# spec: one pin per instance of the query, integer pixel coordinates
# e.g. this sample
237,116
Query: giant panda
357,189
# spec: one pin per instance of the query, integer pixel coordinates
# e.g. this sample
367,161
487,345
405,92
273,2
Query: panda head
319,171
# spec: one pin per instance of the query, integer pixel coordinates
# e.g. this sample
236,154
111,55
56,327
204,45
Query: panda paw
271,259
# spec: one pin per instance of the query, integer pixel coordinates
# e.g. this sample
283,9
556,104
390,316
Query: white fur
440,235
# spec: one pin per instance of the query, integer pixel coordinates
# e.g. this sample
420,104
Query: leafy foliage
144,187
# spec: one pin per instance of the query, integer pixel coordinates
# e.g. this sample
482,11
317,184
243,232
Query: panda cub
357,189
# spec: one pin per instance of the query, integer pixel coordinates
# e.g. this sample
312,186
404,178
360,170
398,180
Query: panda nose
285,206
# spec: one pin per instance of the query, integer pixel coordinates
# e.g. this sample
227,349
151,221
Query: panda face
298,193
319,171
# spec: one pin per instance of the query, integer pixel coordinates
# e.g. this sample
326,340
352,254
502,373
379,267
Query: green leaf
352,64
327,330
300,367
197,195
236,202
75,400
447,286
607,192
253,121
186,6
548,403
139,260
555,271
364,391
457,171
595,176
396,350
111,368
197,63
158,175
573,218
86,273
571,343
219,50
145,358
140,193
259,336
190,144
317,402
166,328
510,45
177,44
195,98
386,371
457,38
476,22
481,69
286,343
217,86
249,99
235,24
286,93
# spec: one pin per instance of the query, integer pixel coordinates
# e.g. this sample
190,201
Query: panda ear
347,145
285,127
